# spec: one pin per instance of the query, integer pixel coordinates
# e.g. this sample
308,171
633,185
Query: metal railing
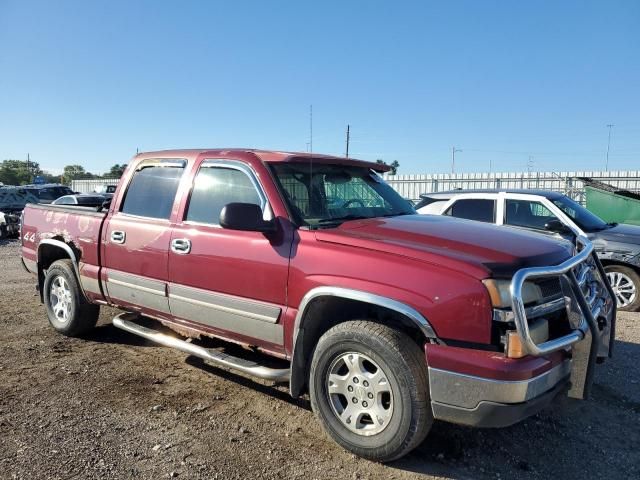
568,183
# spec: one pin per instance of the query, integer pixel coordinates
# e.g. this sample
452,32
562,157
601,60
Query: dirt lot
111,406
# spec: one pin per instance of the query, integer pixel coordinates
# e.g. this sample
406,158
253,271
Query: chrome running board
126,321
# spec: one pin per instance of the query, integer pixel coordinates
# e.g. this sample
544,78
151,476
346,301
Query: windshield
586,220
332,194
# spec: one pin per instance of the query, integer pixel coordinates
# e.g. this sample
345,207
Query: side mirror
245,216
105,205
556,226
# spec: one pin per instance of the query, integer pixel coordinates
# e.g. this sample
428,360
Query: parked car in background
388,319
47,193
106,190
617,246
12,202
81,200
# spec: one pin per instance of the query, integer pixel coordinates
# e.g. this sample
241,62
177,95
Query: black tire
404,366
3,232
81,316
632,276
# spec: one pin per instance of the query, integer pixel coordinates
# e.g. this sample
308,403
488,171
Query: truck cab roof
268,156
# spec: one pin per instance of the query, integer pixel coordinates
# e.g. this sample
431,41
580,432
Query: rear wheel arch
51,250
325,307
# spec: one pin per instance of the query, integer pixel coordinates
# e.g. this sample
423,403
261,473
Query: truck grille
550,287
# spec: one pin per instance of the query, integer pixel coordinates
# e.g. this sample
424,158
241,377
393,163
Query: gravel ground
112,406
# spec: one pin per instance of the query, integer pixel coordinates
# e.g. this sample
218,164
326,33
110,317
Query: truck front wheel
368,386
68,311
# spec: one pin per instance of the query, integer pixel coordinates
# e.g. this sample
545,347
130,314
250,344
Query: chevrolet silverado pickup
386,318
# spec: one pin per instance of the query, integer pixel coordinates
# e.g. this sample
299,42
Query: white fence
88,186
411,186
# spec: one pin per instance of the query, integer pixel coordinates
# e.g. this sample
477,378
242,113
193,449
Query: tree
395,165
76,172
116,171
18,172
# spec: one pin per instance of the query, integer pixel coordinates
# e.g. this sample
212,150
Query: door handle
181,246
118,237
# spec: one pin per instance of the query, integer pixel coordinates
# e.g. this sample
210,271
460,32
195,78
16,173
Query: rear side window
215,187
478,209
152,191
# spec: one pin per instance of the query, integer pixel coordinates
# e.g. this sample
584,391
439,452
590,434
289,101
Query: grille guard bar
587,322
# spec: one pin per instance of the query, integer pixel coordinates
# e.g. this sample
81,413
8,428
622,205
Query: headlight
501,296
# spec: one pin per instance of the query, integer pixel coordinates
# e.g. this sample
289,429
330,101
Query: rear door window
152,190
478,209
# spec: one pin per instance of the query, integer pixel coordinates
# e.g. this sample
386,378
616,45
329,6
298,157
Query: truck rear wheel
68,311
368,386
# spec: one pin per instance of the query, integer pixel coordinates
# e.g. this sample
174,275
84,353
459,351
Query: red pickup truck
388,319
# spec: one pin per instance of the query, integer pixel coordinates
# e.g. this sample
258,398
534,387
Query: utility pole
609,126
347,155
453,158
28,168
530,164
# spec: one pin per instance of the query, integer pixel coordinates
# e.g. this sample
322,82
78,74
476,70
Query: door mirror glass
245,216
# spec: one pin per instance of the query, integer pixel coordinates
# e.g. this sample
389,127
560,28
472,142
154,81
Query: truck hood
474,248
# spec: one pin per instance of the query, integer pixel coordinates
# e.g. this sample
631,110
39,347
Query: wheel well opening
47,255
616,263
324,313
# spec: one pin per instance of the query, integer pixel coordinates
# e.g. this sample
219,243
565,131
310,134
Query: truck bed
78,227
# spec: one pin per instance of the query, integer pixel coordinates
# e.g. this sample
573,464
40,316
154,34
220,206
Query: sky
513,85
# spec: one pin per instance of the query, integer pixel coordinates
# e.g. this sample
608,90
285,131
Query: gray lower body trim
137,290
225,312
468,391
90,284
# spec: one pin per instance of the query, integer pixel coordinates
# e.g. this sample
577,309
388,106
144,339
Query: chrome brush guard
589,294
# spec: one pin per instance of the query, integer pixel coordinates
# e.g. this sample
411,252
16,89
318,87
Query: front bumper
489,402
496,415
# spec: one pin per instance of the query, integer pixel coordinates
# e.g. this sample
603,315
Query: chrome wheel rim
60,297
623,288
360,394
